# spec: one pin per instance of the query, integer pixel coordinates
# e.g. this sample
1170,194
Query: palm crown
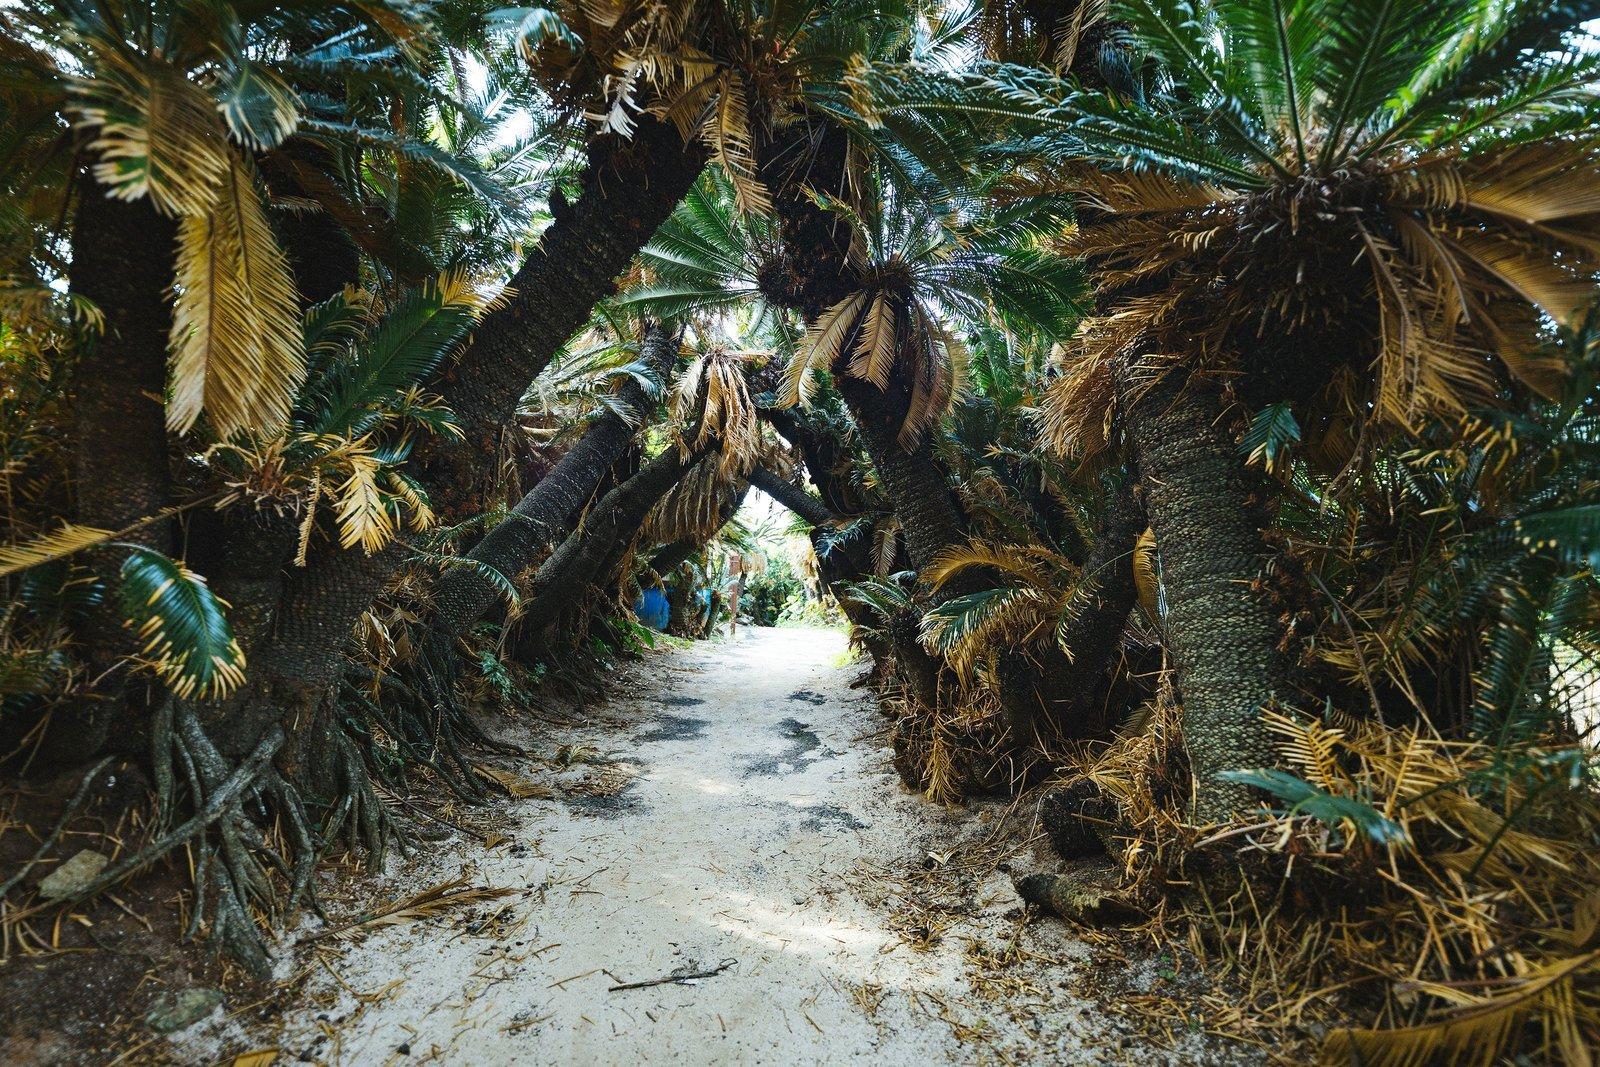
1296,166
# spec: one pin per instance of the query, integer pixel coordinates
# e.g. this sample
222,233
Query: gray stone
72,875
174,1011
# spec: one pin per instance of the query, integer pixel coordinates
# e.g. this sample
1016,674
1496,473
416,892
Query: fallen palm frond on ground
1443,894
455,893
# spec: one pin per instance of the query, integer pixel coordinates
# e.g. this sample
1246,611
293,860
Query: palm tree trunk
791,496
816,274
542,516
630,187
122,254
913,478
1222,636
573,567
629,190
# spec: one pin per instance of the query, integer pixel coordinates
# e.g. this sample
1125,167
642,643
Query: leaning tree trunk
573,567
813,274
122,253
630,187
912,477
629,190
542,516
1222,636
803,504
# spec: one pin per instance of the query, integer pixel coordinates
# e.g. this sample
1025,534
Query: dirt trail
735,810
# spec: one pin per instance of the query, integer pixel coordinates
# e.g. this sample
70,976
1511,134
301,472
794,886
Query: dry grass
1476,936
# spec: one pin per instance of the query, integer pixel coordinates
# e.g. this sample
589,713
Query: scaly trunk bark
791,496
821,453
813,275
913,478
122,256
1223,638
541,517
573,567
630,187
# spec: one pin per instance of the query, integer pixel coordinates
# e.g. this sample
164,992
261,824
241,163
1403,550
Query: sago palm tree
1352,205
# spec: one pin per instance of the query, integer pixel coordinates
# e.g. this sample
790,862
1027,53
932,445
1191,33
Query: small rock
404,1049
73,875
174,1011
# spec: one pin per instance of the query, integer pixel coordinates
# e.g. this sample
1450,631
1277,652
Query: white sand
759,822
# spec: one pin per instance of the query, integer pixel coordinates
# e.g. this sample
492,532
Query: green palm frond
405,349
181,625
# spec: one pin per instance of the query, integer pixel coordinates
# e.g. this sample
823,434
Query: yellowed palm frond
1146,583
57,544
820,349
1311,747
937,366
1476,1034
694,507
713,409
1516,335
1531,271
157,134
727,134
363,514
1400,354
1038,567
885,545
421,515
1141,192
1534,183
873,359
238,352
1076,411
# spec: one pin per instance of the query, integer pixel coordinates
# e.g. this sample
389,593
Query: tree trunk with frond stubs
562,579
122,254
1222,636
791,496
629,189
543,515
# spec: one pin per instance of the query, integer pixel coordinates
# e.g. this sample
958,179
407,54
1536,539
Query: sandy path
737,808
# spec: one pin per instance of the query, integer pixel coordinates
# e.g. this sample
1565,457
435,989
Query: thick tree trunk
821,452
122,256
1222,636
573,567
630,187
1057,690
913,478
814,274
543,516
